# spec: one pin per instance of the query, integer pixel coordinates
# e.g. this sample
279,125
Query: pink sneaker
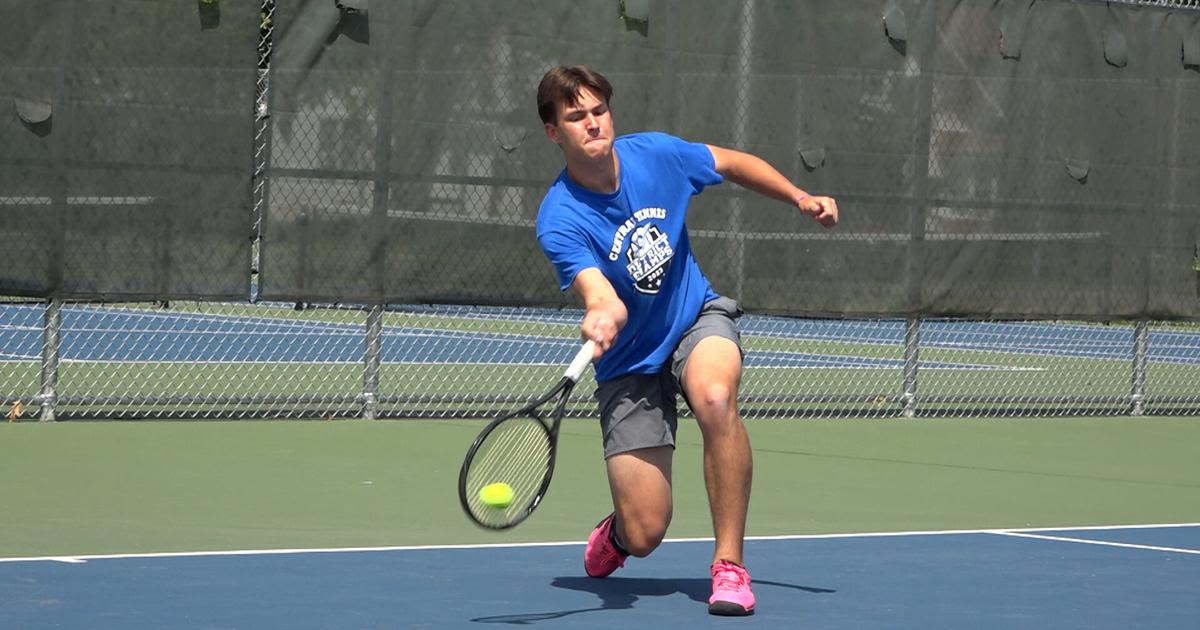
731,590
601,557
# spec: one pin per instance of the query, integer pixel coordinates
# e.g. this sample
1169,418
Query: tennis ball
497,495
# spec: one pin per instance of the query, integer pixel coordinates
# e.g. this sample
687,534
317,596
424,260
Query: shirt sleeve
697,162
567,249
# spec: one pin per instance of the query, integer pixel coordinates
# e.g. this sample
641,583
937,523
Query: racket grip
581,361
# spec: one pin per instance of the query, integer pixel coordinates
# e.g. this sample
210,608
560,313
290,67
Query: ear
551,132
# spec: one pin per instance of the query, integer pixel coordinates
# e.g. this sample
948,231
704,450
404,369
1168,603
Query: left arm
753,172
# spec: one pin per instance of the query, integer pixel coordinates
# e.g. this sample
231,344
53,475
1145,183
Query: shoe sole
729,609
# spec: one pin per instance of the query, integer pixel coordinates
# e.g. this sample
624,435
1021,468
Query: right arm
605,314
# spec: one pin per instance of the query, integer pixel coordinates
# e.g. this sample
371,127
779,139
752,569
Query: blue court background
932,580
94,334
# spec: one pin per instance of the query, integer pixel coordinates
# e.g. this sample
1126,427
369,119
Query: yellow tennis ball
497,495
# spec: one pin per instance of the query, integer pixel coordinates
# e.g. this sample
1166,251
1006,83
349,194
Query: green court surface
85,488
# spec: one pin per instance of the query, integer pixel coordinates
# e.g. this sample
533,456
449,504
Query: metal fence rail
245,360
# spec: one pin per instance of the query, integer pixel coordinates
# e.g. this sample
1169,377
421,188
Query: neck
601,176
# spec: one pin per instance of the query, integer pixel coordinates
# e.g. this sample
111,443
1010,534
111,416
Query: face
584,130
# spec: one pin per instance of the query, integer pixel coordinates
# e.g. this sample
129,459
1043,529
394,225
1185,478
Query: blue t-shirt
637,238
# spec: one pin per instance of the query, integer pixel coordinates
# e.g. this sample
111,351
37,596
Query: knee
640,539
715,402
642,544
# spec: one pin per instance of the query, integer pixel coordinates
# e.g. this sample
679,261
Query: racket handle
581,361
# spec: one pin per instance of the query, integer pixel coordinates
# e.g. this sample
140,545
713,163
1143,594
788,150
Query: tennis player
612,224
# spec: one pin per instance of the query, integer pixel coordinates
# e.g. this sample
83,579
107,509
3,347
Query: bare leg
640,482
710,381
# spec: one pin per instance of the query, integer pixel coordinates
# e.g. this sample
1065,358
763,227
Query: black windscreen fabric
991,159
126,142
407,158
1054,177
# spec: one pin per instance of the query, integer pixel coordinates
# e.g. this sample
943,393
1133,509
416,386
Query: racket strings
518,456
516,452
523,480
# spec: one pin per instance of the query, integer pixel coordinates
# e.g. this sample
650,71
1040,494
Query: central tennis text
627,227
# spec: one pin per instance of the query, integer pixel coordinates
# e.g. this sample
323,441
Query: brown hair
562,84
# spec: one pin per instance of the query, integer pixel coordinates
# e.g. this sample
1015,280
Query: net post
1137,379
912,347
51,327
372,344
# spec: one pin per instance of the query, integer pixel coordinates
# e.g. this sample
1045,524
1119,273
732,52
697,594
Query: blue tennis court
1128,577
126,335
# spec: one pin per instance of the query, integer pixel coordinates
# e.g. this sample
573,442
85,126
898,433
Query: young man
612,224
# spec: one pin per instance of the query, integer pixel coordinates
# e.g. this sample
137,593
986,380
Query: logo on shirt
648,257
645,214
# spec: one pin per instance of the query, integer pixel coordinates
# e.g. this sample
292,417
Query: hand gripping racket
518,449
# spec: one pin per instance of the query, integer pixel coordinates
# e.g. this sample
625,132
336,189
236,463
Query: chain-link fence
389,146
227,360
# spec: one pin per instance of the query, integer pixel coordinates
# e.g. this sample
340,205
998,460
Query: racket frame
550,425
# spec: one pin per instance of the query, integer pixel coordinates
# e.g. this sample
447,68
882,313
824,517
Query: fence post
912,347
741,125
51,327
371,346
1137,379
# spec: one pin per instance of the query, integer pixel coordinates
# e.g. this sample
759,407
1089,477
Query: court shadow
618,593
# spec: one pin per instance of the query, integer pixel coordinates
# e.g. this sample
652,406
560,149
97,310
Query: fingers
600,329
823,209
829,212
602,345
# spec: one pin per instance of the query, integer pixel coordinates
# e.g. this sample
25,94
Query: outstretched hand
823,209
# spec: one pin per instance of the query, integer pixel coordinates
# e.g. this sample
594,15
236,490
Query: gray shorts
638,410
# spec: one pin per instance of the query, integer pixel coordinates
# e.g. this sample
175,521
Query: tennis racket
518,449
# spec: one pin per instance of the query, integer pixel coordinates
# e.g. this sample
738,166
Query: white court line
299,328
1104,543
79,559
348,361
981,368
